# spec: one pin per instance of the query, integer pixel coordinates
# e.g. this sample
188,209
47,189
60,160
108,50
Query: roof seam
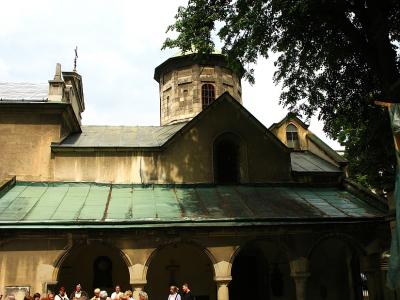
59,204
78,213
36,203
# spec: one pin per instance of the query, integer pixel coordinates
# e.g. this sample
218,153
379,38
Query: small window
292,137
167,105
207,94
227,159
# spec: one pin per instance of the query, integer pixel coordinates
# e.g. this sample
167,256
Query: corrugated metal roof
103,204
308,162
23,91
120,136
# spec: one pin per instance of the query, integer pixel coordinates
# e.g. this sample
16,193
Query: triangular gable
227,98
288,117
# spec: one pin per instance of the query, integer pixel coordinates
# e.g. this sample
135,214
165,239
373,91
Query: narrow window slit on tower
207,94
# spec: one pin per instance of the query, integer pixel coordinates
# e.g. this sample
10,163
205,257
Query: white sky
119,46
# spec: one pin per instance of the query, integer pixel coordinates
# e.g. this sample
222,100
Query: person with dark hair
28,297
36,296
186,292
61,294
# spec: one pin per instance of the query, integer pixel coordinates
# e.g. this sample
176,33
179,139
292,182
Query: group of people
79,294
186,293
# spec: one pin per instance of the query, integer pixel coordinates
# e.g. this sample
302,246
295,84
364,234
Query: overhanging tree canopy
335,57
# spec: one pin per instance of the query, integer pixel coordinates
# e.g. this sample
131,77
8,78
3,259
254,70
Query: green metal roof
54,204
308,162
93,136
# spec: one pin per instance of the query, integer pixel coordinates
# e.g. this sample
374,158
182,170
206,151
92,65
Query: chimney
56,86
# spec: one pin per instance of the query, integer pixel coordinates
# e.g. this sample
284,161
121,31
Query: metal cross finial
76,56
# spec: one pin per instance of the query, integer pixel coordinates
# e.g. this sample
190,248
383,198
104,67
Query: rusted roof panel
102,204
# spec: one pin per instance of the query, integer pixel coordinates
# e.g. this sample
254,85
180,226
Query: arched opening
102,272
227,159
93,266
207,94
179,263
261,271
292,137
335,272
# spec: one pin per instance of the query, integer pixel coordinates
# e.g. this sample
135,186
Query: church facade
211,197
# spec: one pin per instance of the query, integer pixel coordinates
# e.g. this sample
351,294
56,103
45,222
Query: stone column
222,288
137,287
300,271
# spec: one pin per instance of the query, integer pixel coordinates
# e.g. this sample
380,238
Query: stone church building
210,197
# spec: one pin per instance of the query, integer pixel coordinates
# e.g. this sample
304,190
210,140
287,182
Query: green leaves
335,58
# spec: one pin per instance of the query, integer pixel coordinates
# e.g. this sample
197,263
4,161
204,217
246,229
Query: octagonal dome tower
189,83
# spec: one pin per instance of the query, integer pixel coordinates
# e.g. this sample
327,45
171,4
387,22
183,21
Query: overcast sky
119,45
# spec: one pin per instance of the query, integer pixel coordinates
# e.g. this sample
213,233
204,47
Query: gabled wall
188,157
280,132
26,133
305,143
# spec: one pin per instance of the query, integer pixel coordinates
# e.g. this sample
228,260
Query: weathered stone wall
144,258
29,261
180,90
25,139
187,159
305,143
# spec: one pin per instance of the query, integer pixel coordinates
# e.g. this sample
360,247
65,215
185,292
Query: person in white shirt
78,293
61,294
115,295
173,293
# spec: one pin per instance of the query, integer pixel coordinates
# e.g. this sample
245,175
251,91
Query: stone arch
335,268
176,261
347,239
281,245
178,241
229,145
272,269
59,261
80,246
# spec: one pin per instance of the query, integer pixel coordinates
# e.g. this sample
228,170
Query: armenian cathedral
211,197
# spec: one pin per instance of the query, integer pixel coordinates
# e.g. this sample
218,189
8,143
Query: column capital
300,267
300,271
223,280
138,283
